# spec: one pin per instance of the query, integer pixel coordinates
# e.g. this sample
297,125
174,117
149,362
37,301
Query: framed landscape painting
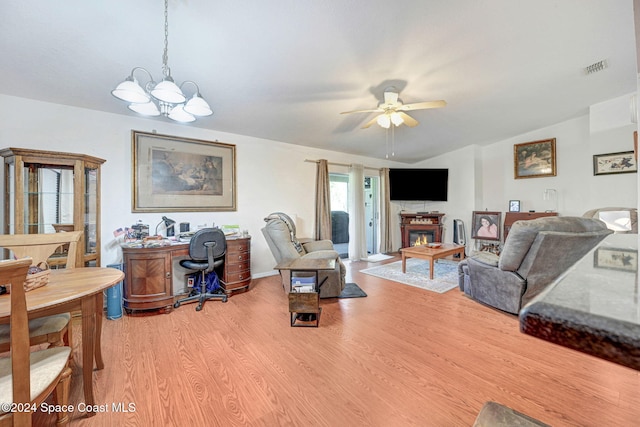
535,159
173,174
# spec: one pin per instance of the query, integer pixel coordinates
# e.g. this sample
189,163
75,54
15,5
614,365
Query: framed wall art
616,259
174,174
514,205
535,159
486,225
606,164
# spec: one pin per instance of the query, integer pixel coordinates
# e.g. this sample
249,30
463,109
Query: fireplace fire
420,238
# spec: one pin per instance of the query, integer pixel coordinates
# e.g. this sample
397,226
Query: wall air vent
596,67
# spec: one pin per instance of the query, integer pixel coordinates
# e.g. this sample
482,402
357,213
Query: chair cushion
38,327
46,365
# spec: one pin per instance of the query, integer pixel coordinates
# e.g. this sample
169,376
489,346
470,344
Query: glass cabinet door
52,192
91,215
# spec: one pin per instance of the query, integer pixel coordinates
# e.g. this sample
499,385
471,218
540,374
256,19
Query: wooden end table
430,254
306,302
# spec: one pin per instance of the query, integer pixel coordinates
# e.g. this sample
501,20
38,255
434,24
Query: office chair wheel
224,299
176,304
199,307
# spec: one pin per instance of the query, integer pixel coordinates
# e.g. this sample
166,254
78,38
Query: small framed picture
486,225
605,164
514,205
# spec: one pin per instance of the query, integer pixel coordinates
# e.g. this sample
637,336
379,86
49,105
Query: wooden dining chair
28,378
53,330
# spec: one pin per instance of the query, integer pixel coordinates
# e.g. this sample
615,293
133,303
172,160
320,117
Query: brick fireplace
421,228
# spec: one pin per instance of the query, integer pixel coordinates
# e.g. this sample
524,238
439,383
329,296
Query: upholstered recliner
633,217
280,234
536,253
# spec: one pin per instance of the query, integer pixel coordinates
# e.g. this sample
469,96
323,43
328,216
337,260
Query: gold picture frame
174,174
535,159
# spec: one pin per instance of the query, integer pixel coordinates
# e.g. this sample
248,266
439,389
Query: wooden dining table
71,290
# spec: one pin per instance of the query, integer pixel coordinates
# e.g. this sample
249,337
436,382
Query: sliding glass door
339,187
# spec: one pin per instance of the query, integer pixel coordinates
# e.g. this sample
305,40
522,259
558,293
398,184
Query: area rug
377,258
445,274
351,290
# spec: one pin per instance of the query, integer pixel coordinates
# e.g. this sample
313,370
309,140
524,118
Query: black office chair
206,249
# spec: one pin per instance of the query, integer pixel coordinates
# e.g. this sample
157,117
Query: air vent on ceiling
596,67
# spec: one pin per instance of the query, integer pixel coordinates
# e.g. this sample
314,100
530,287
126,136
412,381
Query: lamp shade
147,109
168,91
130,91
384,121
396,119
178,114
198,106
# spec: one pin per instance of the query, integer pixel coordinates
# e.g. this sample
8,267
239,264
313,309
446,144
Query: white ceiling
284,69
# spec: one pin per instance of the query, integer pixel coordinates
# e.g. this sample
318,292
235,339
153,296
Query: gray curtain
323,202
386,245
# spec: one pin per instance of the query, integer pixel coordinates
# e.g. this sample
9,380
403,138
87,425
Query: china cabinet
48,192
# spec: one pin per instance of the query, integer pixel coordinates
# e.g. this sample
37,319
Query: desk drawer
237,267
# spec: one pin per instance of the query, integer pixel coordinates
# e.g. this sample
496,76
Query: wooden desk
150,272
595,306
77,289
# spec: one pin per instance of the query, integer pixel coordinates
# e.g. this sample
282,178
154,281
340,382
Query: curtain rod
343,164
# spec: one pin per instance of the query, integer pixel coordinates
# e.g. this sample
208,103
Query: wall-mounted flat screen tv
419,184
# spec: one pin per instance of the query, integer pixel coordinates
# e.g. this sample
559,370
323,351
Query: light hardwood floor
400,357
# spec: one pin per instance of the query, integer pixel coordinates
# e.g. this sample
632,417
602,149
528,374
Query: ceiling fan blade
422,105
408,120
370,122
377,110
390,98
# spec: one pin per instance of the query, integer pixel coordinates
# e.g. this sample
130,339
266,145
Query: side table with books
304,296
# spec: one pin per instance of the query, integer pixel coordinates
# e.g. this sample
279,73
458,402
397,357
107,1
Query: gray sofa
536,253
280,234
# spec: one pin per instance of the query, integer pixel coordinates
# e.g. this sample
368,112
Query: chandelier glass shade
165,98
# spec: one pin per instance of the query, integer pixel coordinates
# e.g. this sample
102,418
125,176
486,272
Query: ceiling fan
392,110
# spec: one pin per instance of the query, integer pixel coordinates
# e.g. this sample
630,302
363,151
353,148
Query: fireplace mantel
428,222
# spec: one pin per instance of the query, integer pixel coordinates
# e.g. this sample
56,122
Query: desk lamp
168,224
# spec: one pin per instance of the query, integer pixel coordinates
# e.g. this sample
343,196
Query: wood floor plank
402,356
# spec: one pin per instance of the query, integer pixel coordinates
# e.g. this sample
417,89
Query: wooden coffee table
430,254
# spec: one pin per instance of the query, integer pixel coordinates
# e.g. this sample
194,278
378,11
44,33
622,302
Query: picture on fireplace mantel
486,225
535,159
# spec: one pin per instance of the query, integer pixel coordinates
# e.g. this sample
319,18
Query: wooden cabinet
237,265
49,191
148,277
512,217
421,228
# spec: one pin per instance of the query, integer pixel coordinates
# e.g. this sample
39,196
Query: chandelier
165,98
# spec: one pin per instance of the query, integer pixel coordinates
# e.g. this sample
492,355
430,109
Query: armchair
280,234
535,254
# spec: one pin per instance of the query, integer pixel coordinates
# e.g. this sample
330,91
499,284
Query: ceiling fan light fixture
396,119
384,121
